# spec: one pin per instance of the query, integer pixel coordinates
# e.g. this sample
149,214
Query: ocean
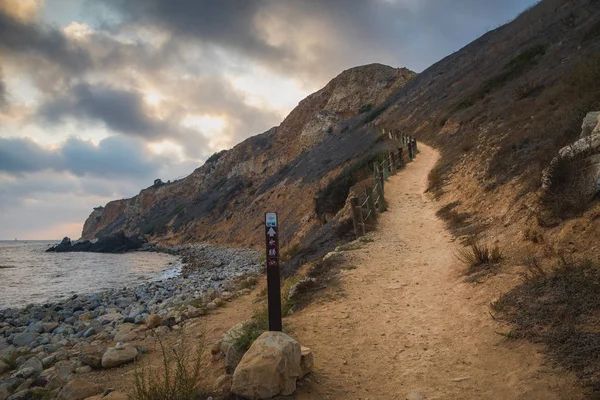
29,275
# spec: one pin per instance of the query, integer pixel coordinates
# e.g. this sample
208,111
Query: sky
100,97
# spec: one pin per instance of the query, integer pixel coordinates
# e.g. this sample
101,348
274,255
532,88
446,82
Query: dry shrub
180,377
479,257
561,309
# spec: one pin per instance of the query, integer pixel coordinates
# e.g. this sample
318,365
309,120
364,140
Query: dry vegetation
180,377
560,307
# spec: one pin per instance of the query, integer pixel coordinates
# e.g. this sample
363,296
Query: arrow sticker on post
271,232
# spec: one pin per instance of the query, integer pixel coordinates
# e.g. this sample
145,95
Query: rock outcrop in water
114,243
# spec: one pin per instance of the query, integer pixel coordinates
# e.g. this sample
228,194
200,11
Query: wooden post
357,217
400,155
273,275
410,150
415,144
370,203
392,163
380,193
386,170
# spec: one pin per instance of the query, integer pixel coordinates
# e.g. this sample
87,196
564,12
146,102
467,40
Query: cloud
3,101
315,39
120,110
114,156
28,38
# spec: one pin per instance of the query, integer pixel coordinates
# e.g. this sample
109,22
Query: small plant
179,377
479,256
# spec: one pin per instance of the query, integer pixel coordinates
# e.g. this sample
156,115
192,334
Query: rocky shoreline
41,345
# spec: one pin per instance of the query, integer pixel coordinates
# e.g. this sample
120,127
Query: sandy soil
408,326
403,324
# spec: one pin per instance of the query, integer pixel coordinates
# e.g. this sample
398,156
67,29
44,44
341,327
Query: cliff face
224,201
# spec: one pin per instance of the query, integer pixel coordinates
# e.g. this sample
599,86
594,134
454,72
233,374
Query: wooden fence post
370,203
380,193
392,163
400,159
415,143
357,217
385,170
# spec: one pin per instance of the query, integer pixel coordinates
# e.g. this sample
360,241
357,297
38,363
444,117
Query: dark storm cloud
120,110
115,156
51,44
3,101
349,33
226,23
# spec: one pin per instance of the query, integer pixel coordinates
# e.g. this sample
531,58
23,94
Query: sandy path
407,322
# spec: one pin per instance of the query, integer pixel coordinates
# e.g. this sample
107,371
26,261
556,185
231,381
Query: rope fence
374,202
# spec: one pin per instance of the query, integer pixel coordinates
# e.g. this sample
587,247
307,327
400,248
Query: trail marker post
273,276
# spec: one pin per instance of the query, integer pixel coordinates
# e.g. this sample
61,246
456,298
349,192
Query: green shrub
250,331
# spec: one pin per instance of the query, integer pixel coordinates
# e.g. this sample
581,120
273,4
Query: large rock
114,243
79,389
307,361
270,367
32,367
24,339
584,154
4,367
114,357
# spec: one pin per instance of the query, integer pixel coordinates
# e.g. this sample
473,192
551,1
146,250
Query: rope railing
374,202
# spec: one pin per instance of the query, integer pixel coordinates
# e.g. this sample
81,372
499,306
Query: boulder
91,359
4,367
24,339
307,361
4,393
79,389
223,383
584,155
114,357
270,367
34,364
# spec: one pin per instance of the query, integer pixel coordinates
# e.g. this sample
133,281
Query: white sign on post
271,219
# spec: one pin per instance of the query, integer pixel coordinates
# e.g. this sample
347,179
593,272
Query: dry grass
560,307
178,378
479,257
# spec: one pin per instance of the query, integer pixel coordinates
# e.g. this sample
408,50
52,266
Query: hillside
224,201
500,109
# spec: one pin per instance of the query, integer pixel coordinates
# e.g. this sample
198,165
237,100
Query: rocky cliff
224,201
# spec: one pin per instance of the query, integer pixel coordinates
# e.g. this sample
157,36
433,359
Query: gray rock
89,332
114,357
4,393
47,362
34,364
4,367
24,339
48,327
83,370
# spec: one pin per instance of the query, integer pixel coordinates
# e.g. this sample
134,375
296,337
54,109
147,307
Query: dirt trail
408,323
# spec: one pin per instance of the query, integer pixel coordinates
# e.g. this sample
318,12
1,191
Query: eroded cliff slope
223,201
